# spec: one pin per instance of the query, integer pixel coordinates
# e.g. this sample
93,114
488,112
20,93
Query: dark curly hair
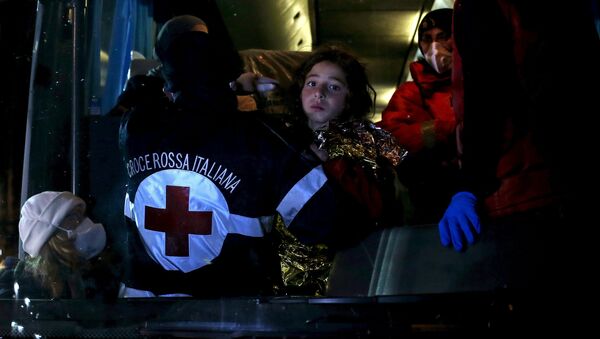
361,94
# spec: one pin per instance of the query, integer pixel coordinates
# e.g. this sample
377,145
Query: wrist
464,195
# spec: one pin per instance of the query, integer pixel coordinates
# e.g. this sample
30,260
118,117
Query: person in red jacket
421,118
519,154
528,188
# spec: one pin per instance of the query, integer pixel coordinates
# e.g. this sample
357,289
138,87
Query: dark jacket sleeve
491,91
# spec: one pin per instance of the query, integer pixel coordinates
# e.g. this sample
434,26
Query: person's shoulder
277,130
417,67
145,118
140,90
275,121
143,80
292,130
244,119
423,74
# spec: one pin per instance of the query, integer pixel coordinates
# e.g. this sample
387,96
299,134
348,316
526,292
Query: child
330,98
331,95
62,247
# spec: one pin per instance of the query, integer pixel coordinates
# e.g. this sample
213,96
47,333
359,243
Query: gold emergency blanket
305,269
362,141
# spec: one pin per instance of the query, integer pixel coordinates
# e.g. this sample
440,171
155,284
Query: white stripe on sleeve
299,195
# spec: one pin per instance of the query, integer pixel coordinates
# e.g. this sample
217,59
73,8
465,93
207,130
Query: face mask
439,57
90,238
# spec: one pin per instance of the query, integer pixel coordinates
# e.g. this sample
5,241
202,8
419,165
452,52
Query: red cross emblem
177,221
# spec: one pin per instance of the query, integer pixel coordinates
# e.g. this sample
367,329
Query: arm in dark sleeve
491,91
333,218
315,208
318,210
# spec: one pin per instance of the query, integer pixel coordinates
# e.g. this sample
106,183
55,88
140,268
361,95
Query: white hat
42,215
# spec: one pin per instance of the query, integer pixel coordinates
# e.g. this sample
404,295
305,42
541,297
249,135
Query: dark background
17,22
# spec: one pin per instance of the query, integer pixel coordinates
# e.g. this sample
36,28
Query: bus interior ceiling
380,32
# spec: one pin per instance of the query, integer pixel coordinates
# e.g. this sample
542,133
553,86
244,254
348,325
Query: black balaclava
192,69
209,12
172,29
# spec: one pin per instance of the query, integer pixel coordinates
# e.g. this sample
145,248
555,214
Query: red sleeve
404,116
355,181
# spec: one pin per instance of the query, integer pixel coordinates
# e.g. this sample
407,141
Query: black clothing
228,172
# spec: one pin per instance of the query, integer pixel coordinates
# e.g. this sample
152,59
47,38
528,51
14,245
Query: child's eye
334,88
310,84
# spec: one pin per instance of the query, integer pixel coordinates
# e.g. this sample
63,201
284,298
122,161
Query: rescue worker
205,181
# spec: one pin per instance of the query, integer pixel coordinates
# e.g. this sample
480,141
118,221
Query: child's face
324,94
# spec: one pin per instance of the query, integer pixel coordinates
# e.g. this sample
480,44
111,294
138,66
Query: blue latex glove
460,221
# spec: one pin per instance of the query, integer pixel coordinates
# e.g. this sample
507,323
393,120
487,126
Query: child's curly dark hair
361,94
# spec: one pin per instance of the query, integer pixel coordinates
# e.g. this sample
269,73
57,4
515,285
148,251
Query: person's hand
251,82
460,221
265,84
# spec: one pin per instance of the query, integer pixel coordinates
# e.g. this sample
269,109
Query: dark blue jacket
203,187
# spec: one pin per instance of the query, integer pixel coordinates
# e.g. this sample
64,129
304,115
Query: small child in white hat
59,240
